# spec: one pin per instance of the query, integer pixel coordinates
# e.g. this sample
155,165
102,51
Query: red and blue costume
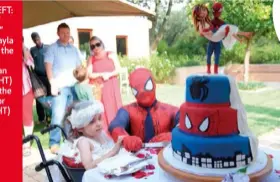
215,46
146,120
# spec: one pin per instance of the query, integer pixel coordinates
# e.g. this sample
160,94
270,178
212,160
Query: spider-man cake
213,130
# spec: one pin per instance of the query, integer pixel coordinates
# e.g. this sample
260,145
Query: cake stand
189,177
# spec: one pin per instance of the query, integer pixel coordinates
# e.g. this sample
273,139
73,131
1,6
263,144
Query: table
162,176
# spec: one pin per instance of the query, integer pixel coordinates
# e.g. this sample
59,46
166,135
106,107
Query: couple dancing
226,33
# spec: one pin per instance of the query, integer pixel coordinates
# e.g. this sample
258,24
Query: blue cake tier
211,152
212,89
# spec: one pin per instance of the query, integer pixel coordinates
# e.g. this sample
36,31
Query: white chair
124,83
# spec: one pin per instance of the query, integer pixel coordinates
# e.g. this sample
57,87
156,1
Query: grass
250,85
263,108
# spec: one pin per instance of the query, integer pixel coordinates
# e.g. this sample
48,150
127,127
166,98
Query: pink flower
150,167
150,173
271,156
140,155
108,176
139,174
153,151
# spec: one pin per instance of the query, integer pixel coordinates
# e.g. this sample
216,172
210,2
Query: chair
124,83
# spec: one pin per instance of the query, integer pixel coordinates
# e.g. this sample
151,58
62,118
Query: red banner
11,90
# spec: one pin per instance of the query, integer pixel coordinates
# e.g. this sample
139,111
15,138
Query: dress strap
93,59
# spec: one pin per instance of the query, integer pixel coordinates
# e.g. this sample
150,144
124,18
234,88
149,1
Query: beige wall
107,28
257,72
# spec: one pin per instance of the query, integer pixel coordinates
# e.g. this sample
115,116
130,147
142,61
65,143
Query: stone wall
182,73
257,72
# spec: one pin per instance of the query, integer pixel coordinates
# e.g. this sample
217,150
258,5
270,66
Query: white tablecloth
161,176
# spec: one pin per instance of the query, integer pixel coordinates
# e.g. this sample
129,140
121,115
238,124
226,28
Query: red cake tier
208,119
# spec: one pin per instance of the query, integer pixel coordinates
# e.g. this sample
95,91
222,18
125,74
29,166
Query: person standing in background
37,53
27,98
60,61
103,69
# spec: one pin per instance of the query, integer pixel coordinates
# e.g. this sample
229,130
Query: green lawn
263,108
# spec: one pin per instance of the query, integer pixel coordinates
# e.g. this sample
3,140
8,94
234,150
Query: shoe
216,67
43,121
54,149
209,68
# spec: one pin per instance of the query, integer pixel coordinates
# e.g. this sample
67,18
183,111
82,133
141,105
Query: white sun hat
83,113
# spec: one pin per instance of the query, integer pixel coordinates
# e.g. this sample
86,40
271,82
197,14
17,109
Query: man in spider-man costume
147,119
215,46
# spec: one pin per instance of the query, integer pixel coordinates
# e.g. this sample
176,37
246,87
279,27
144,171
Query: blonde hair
80,73
196,19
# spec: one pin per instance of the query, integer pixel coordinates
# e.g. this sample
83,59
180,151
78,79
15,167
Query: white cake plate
256,171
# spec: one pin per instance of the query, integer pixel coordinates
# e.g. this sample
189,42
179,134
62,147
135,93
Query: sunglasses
93,46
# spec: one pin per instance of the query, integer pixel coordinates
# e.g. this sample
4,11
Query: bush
131,64
162,47
235,55
266,54
161,66
185,60
192,47
250,85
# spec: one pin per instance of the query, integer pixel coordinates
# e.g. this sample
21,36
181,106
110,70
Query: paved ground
271,139
275,85
29,163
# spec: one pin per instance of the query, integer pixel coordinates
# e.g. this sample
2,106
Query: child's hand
117,146
120,139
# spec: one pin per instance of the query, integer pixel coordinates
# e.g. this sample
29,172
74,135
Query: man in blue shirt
37,53
61,59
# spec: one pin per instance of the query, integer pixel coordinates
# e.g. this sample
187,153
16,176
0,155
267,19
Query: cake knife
155,145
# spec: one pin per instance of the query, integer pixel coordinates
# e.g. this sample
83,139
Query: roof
41,11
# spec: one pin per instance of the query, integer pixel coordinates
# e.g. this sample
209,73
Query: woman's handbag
39,89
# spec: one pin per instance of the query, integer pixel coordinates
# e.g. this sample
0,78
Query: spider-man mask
208,120
217,9
143,86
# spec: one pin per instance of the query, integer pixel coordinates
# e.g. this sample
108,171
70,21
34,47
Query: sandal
26,151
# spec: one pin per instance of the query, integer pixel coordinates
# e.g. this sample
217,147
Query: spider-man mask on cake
143,86
208,120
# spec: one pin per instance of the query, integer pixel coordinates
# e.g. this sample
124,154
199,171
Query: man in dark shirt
37,52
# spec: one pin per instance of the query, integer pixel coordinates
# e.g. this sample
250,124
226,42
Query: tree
254,16
176,26
162,8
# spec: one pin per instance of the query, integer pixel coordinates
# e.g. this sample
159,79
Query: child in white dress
91,145
227,33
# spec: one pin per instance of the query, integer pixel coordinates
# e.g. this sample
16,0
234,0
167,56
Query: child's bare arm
86,149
